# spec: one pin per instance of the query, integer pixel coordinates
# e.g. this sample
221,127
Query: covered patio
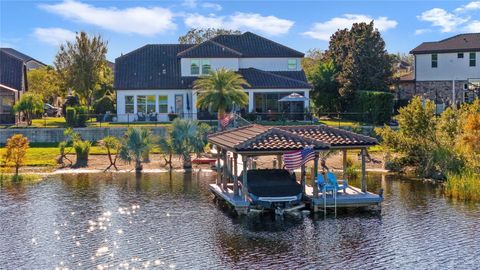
237,147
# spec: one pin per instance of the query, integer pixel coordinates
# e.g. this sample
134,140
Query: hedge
375,107
76,116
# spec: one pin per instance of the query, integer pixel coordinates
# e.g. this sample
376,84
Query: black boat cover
272,183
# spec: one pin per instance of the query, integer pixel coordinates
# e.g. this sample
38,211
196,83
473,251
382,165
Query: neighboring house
13,80
30,62
448,71
158,79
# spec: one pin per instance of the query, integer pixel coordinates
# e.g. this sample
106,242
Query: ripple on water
169,221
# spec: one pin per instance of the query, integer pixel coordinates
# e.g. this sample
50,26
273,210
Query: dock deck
237,202
353,197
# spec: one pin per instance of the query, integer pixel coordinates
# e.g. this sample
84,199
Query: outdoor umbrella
293,97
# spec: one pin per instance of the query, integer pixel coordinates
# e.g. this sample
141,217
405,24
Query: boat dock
237,147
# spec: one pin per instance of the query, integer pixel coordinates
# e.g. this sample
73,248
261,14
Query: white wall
123,117
269,64
450,67
215,63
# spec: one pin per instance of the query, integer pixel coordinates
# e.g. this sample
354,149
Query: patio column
364,179
251,104
219,173
244,180
225,169
344,163
235,177
315,175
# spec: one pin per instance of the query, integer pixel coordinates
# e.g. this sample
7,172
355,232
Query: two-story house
157,79
448,71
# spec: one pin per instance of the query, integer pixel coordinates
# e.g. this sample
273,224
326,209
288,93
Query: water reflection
169,220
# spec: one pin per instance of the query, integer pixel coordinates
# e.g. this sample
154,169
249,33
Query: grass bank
463,186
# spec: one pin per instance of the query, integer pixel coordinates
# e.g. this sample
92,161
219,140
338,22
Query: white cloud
470,6
213,6
54,36
422,31
269,25
473,26
447,21
189,3
323,30
135,20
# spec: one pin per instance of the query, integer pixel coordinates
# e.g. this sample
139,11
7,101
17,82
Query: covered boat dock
237,147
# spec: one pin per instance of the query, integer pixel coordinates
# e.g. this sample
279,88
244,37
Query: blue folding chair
323,186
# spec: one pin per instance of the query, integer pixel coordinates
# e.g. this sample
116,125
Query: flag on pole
226,120
297,158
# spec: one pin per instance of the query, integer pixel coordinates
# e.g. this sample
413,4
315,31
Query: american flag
226,120
297,158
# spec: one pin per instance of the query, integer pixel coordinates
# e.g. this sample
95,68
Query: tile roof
20,55
12,71
458,43
335,137
209,48
252,45
259,79
262,139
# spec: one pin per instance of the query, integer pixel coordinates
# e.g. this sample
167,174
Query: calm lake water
170,221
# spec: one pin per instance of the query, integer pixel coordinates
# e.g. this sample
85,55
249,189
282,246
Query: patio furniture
337,184
323,186
141,116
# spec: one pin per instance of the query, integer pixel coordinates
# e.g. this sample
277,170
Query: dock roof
258,139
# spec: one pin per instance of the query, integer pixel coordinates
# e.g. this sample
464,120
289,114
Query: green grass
463,186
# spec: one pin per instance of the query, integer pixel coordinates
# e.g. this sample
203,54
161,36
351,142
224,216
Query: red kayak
203,160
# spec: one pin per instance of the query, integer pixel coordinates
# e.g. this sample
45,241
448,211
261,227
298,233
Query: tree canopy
29,105
199,35
82,65
46,83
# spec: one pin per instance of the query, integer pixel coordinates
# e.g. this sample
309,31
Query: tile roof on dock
261,139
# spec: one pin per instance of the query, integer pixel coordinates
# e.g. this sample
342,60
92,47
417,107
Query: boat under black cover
273,188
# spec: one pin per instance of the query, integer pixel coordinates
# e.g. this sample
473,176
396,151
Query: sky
37,28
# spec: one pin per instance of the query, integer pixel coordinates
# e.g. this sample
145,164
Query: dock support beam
235,175
302,177
245,180
364,177
344,163
219,172
225,169
279,161
315,175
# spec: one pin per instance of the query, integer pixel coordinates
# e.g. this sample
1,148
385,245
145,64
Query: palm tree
219,90
188,136
136,143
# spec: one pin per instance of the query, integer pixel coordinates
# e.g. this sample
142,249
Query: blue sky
38,27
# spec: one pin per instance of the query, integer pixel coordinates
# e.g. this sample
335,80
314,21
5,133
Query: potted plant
172,115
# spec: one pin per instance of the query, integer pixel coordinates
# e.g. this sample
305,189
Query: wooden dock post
344,163
315,175
364,177
235,176
225,169
279,161
245,180
219,173
302,177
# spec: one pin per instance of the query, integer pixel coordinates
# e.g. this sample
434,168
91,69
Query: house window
292,63
141,104
434,60
163,104
473,61
206,66
460,55
150,104
129,104
195,67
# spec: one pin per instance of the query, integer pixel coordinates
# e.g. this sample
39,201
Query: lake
169,221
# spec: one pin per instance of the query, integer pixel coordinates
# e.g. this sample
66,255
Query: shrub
377,107
17,147
70,116
82,149
29,105
464,185
70,101
81,116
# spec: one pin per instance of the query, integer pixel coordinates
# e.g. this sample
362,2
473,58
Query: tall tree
325,88
311,60
29,105
361,60
46,83
220,90
82,64
199,35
